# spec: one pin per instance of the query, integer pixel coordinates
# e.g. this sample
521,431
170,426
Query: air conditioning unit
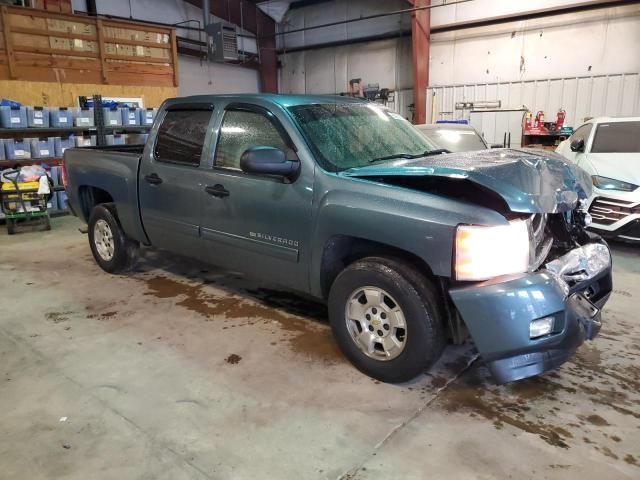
222,42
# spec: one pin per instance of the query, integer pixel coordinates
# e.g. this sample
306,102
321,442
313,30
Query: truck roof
282,100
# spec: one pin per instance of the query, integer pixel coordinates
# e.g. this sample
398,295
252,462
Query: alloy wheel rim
376,323
103,240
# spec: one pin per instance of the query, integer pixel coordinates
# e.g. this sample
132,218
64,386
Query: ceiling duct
276,9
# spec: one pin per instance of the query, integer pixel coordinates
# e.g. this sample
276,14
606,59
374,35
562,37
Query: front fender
415,222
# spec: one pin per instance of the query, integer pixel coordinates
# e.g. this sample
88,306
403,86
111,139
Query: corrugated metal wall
580,97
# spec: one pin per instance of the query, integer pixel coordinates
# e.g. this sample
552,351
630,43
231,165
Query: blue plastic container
54,172
2,154
112,117
42,147
17,148
83,117
61,117
85,140
147,115
130,116
37,117
60,144
116,139
13,117
61,196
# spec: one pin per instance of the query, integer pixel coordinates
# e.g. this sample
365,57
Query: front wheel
111,248
385,316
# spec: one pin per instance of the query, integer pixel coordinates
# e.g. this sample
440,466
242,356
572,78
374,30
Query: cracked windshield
344,136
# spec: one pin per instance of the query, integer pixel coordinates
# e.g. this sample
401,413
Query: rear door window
617,137
181,136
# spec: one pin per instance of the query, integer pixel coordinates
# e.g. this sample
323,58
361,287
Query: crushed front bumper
498,313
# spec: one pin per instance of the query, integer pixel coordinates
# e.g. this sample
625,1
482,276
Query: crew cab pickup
342,199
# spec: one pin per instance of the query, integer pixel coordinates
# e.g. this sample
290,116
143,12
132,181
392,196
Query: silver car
454,137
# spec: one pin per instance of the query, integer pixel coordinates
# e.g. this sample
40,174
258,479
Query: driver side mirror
577,145
265,160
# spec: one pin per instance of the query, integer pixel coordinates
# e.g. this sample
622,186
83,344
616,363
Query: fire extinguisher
560,119
527,121
539,122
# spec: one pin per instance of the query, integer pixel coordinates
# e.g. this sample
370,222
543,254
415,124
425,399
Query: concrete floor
181,371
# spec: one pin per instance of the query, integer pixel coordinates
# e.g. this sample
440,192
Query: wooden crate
41,45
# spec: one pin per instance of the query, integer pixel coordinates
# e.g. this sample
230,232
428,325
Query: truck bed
111,174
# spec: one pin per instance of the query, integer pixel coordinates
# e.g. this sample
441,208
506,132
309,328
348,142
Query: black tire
11,226
47,223
415,295
125,250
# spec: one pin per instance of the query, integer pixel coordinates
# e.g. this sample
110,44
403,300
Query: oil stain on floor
545,406
245,308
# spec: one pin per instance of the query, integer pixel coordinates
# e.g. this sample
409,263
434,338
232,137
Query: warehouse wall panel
542,50
580,97
200,78
328,70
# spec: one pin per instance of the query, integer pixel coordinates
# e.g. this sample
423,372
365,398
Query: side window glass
582,133
242,130
181,136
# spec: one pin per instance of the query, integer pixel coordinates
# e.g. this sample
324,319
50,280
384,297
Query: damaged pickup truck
342,199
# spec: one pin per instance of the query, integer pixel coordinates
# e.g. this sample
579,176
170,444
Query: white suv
609,150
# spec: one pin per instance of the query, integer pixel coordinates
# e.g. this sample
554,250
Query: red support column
420,36
266,29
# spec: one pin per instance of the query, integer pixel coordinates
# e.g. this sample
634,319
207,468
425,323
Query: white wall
387,63
599,42
196,78
580,97
589,43
340,10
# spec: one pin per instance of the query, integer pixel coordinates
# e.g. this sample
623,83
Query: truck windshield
350,135
617,137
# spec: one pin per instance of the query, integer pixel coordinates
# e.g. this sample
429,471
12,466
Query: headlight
487,252
605,183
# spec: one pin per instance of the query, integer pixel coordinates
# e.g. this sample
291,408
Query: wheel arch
91,196
341,251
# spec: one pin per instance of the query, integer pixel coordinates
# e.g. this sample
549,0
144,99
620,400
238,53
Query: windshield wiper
437,151
395,155
410,155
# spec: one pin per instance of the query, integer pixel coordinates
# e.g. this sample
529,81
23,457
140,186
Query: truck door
170,178
254,223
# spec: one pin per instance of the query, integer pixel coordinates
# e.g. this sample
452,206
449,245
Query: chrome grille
606,211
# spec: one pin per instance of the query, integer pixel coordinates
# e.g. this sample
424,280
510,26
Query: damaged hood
529,181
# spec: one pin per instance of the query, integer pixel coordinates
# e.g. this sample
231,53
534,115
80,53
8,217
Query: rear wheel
11,226
386,318
111,248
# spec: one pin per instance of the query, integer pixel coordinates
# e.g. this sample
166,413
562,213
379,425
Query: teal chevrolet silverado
410,246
